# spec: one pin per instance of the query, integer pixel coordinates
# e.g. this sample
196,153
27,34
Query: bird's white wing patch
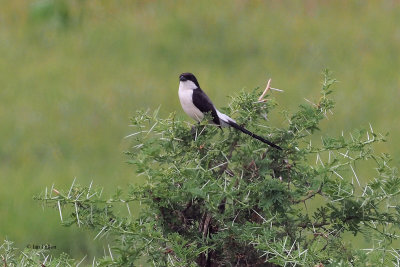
224,119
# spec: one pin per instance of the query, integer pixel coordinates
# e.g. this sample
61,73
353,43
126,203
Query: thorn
109,250
310,102
276,89
77,215
338,174
370,126
133,134
90,186
129,210
70,190
355,175
59,208
261,217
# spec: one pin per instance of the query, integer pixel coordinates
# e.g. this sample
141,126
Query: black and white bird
196,103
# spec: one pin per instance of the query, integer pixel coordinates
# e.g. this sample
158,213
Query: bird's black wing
204,104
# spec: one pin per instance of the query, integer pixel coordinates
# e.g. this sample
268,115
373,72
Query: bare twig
261,98
4,260
206,225
311,194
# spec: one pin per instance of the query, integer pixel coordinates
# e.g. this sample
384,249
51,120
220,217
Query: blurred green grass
73,72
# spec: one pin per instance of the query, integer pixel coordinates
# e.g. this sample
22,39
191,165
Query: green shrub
220,198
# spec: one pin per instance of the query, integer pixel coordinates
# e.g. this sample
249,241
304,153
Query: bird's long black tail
244,130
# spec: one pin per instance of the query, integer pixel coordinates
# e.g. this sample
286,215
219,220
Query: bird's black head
187,76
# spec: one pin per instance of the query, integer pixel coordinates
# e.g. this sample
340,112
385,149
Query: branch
4,260
311,194
229,156
324,223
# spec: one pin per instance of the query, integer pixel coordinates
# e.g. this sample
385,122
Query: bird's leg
194,131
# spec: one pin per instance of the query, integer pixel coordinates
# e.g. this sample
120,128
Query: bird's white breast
185,96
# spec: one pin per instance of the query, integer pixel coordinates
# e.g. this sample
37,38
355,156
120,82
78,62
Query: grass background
73,72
